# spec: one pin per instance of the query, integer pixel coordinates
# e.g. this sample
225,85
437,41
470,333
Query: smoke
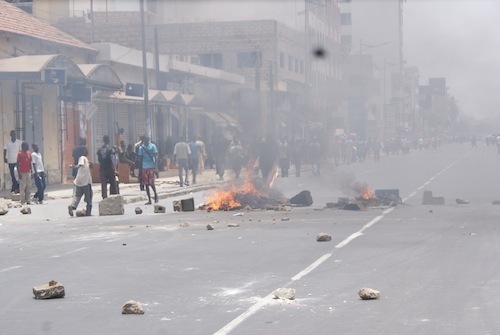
348,184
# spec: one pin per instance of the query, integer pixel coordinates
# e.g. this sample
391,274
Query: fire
232,198
366,193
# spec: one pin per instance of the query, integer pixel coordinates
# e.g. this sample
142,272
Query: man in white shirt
39,174
181,157
11,149
83,183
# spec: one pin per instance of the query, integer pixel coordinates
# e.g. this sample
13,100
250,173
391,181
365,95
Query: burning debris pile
248,196
368,198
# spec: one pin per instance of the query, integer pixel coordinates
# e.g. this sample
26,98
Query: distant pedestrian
24,167
202,155
194,158
39,174
10,152
268,154
138,162
284,158
298,153
107,168
83,184
77,153
181,158
221,150
315,155
149,155
236,156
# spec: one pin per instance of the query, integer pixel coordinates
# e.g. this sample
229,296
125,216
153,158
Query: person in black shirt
107,168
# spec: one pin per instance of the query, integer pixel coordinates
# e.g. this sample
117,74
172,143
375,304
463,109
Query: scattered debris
210,227
184,205
368,293
159,209
132,307
81,212
138,210
284,293
4,207
232,225
462,202
304,198
239,214
323,237
185,224
429,199
285,219
26,210
52,289
112,205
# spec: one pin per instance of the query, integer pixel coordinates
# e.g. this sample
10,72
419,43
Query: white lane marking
11,268
255,308
76,250
249,312
311,267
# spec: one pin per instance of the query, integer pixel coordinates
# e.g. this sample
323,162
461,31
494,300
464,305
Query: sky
459,40
455,39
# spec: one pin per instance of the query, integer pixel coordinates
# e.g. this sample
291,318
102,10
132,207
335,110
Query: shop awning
32,67
101,76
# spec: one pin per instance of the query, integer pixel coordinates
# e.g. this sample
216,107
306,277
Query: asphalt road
435,266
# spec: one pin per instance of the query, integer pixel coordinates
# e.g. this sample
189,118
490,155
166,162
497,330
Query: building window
211,60
249,59
290,63
345,19
282,60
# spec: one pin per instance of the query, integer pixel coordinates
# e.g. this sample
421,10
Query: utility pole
145,70
401,69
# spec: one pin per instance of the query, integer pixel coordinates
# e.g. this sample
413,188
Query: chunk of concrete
210,227
284,293
368,293
304,198
112,205
138,210
50,290
81,212
159,209
323,237
4,206
132,307
429,199
184,205
26,210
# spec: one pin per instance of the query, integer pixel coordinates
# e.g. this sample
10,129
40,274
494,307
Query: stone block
284,293
112,205
138,210
132,307
50,290
4,206
323,237
368,293
159,209
429,199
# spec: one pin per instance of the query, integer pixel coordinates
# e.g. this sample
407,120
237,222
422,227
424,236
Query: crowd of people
193,156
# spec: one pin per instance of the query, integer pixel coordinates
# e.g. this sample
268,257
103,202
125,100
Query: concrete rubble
368,294
52,289
284,293
26,210
323,237
184,205
210,227
81,212
159,209
4,207
429,199
132,307
112,205
304,198
138,210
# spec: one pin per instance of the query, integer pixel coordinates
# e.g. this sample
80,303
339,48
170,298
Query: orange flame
367,193
225,199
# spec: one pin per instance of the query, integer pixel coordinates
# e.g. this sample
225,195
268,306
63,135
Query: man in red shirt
24,167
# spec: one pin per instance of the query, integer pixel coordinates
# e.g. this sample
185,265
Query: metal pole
145,71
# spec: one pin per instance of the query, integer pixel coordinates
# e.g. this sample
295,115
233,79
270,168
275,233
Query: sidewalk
167,185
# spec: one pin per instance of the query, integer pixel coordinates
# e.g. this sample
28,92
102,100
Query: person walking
11,149
39,174
24,167
107,169
298,152
202,155
315,155
181,157
236,156
267,157
284,159
221,149
194,158
83,184
148,153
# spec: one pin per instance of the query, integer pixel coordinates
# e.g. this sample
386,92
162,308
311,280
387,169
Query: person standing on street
181,157
10,152
194,147
202,155
236,156
24,167
39,174
107,169
148,153
83,184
